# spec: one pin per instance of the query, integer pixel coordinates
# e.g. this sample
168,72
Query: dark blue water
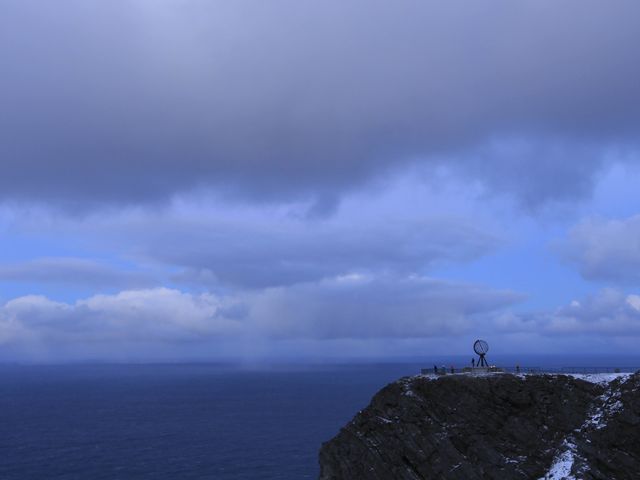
183,421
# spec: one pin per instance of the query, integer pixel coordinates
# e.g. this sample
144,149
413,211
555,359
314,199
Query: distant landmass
494,426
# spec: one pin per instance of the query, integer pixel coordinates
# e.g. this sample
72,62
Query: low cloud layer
136,324
352,307
70,271
158,323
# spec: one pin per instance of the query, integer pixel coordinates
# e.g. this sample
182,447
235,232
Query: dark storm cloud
132,101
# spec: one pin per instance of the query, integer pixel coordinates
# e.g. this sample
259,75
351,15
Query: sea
195,421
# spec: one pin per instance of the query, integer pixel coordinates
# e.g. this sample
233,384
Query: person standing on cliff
435,369
473,363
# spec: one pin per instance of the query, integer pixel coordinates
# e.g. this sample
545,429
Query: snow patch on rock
600,378
562,464
606,405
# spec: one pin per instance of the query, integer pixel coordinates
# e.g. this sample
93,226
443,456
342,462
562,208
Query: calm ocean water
183,421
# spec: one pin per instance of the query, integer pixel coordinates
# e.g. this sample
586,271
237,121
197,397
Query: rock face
497,426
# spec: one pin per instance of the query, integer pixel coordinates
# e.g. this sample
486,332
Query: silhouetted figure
517,368
435,369
473,363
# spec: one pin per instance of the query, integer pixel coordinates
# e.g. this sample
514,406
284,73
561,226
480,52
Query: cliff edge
497,426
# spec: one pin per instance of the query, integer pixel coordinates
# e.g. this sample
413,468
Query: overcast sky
191,179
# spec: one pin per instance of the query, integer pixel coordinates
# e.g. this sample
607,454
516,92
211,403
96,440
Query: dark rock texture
496,426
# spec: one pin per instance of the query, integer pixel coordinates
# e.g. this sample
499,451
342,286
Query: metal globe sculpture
481,348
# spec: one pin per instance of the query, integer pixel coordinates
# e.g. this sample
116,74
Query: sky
187,180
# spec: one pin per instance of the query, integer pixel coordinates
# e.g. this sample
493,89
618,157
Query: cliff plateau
495,426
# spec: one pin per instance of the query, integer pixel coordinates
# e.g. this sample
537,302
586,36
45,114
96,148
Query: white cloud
159,315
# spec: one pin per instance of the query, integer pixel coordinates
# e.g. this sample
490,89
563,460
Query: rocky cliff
497,426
